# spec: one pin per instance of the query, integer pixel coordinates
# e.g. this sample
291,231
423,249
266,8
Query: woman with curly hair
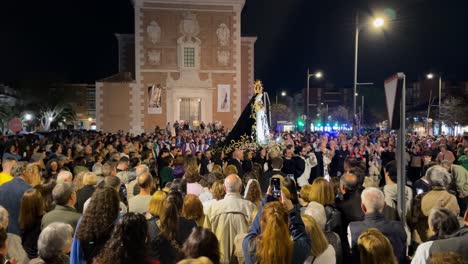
95,226
127,242
52,169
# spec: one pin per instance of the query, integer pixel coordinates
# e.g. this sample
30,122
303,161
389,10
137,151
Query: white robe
310,162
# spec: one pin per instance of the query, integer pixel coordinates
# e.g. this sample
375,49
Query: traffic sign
15,125
393,90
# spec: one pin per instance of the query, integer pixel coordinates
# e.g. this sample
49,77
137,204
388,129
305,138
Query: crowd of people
93,197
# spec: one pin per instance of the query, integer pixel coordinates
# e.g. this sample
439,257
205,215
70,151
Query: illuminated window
190,109
189,57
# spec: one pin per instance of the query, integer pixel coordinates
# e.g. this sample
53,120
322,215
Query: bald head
232,184
145,180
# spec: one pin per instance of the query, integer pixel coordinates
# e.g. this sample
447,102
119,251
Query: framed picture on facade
154,99
224,98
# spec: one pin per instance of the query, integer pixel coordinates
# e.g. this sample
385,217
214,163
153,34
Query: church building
186,61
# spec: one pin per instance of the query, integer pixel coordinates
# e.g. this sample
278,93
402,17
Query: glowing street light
283,94
378,22
430,75
28,117
317,75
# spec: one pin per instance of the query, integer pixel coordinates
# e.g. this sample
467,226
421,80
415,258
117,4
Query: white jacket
310,162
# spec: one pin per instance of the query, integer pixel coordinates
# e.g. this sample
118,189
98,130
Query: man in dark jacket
341,154
64,211
373,202
349,204
277,165
289,164
237,156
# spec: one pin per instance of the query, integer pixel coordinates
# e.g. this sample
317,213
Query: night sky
73,41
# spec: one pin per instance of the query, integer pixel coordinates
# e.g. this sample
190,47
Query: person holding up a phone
269,238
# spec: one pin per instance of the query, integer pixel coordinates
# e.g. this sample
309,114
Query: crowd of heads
126,198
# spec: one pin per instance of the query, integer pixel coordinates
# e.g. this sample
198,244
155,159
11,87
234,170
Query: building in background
190,63
327,97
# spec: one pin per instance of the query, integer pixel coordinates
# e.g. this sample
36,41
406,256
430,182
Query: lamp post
377,22
28,117
431,76
283,94
317,75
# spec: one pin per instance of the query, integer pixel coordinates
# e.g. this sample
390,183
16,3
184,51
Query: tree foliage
454,111
341,115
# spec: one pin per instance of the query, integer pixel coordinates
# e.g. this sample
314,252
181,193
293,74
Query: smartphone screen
276,187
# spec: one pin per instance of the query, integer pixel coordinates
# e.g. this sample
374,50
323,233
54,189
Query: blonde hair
313,230
217,169
274,244
305,192
32,173
200,260
230,169
90,178
286,192
375,248
191,174
155,206
322,192
217,189
253,192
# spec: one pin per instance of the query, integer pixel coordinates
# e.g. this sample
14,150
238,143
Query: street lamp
283,93
377,22
431,76
317,75
28,117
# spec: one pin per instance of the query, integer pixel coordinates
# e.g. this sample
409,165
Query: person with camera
277,235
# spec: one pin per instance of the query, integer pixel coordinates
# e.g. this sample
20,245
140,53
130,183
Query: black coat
350,208
161,249
393,230
238,164
289,166
82,195
265,180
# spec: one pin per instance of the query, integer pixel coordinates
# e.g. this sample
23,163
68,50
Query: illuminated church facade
186,61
